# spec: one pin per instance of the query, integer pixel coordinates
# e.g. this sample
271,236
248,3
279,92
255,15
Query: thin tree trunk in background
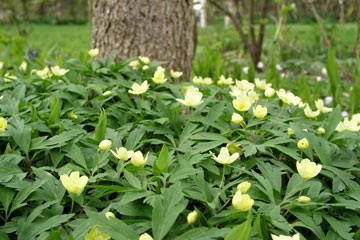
160,29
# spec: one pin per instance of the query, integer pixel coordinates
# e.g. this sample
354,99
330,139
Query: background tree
160,29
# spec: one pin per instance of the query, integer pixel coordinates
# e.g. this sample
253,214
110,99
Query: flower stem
72,202
145,177
222,177
97,161
282,110
292,203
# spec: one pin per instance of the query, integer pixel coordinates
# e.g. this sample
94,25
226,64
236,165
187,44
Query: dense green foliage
55,125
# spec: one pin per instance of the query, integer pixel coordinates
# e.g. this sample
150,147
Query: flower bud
304,199
290,131
237,118
3,124
269,92
107,93
244,187
109,215
105,145
145,236
191,217
94,52
145,67
303,144
321,130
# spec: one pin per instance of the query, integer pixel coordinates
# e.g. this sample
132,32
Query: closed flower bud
244,187
303,144
191,217
108,215
242,202
105,145
269,92
134,64
237,118
93,52
308,169
74,183
3,124
138,160
290,131
145,236
23,66
304,199
107,93
260,111
321,130
72,115
145,67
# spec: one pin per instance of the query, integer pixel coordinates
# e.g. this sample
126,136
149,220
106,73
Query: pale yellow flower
207,81
191,217
93,52
242,202
3,124
260,111
197,80
242,103
134,64
286,97
95,234
175,75
253,96
159,76
308,169
269,92
356,118
236,92
45,73
57,71
145,236
310,113
283,237
23,66
290,131
304,199
108,215
224,156
145,67
74,183
237,118
72,115
348,125
244,85
261,84
105,145
145,60
321,130
303,144
234,148
9,78
192,97
244,187
321,106
225,81
138,160
296,101
122,153
137,89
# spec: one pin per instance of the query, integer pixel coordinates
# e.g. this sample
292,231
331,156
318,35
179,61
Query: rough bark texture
163,30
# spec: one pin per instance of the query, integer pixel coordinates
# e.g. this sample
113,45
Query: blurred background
297,38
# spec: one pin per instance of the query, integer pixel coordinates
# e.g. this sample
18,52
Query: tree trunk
160,29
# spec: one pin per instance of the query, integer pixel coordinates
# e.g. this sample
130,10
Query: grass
74,40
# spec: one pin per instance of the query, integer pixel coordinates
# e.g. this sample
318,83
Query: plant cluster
105,149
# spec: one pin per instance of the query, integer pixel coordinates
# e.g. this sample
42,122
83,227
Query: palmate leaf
166,210
21,134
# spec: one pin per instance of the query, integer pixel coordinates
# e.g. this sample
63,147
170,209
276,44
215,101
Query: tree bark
163,30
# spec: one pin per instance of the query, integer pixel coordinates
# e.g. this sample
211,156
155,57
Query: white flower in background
324,71
344,114
107,93
329,100
145,60
1,65
57,71
282,75
225,81
319,78
45,73
207,81
293,6
320,106
260,65
246,70
278,67
345,94
134,64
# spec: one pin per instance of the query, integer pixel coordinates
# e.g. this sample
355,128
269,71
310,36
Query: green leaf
55,110
21,134
100,129
242,231
6,197
163,160
132,180
333,120
166,210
